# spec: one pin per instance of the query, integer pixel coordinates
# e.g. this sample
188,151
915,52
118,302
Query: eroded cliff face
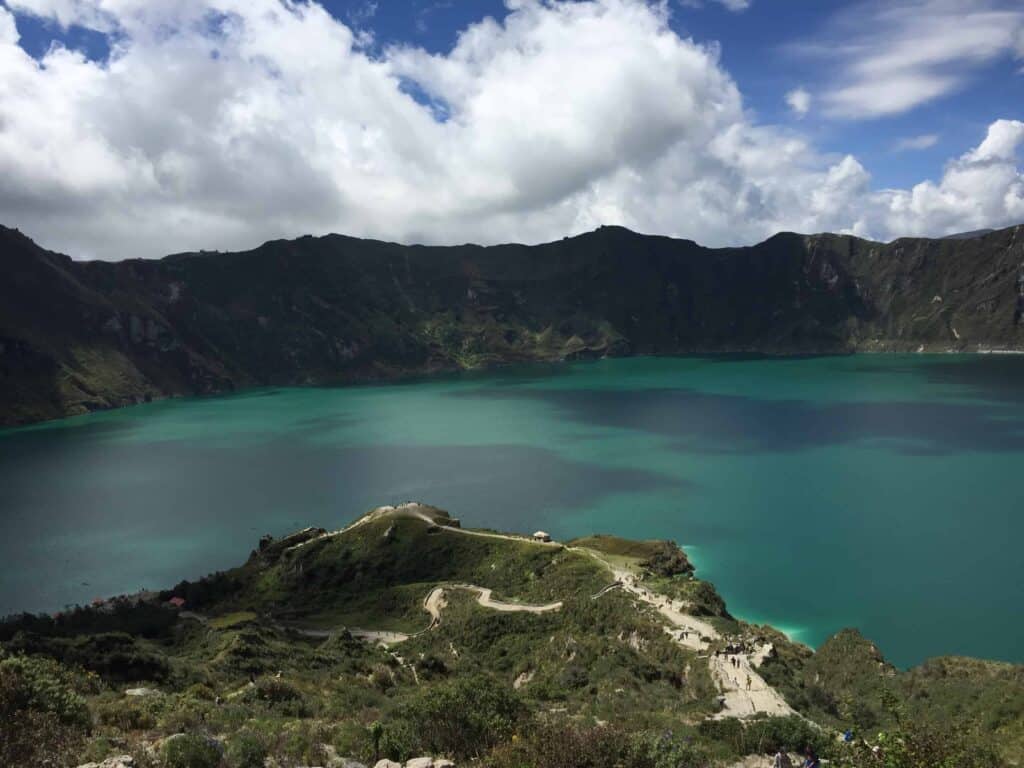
78,336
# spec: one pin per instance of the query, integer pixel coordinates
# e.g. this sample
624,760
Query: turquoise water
883,492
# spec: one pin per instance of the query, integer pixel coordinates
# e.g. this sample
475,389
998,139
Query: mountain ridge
77,336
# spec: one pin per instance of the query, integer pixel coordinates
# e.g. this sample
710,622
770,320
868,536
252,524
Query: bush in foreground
566,745
191,750
464,719
42,717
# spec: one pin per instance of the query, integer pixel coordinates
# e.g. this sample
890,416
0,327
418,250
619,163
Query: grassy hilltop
404,635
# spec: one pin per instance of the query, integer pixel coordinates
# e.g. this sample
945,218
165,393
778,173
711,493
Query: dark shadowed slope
78,336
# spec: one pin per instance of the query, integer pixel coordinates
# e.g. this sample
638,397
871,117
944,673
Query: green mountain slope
404,635
78,336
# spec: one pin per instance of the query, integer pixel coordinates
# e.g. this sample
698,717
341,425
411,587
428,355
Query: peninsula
405,637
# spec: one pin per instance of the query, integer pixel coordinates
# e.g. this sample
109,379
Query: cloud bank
223,123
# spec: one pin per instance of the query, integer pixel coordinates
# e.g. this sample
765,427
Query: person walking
811,758
782,760
748,682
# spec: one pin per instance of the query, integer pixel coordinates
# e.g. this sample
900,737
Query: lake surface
882,492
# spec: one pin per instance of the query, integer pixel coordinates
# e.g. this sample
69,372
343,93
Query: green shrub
275,690
113,655
126,715
43,685
201,692
793,734
431,667
184,715
764,735
728,731
354,739
573,677
247,749
302,742
464,719
41,715
382,678
191,750
567,745
917,745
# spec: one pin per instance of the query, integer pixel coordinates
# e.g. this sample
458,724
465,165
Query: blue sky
905,88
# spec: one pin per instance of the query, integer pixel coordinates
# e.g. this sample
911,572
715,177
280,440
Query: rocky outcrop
141,692
80,336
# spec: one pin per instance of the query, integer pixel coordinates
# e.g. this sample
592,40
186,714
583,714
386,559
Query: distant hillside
406,637
79,336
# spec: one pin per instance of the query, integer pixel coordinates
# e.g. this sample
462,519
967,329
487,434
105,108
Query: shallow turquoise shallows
882,492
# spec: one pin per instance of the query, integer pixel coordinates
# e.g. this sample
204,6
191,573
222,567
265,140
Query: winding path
435,601
686,630
433,604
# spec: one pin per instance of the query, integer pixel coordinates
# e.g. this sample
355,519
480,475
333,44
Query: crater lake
883,492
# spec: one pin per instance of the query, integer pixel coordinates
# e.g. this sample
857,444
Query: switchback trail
688,631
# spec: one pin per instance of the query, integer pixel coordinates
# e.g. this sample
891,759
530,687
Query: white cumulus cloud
223,123
982,188
799,100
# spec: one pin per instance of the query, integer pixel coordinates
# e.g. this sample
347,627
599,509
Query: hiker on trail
748,682
782,760
811,759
